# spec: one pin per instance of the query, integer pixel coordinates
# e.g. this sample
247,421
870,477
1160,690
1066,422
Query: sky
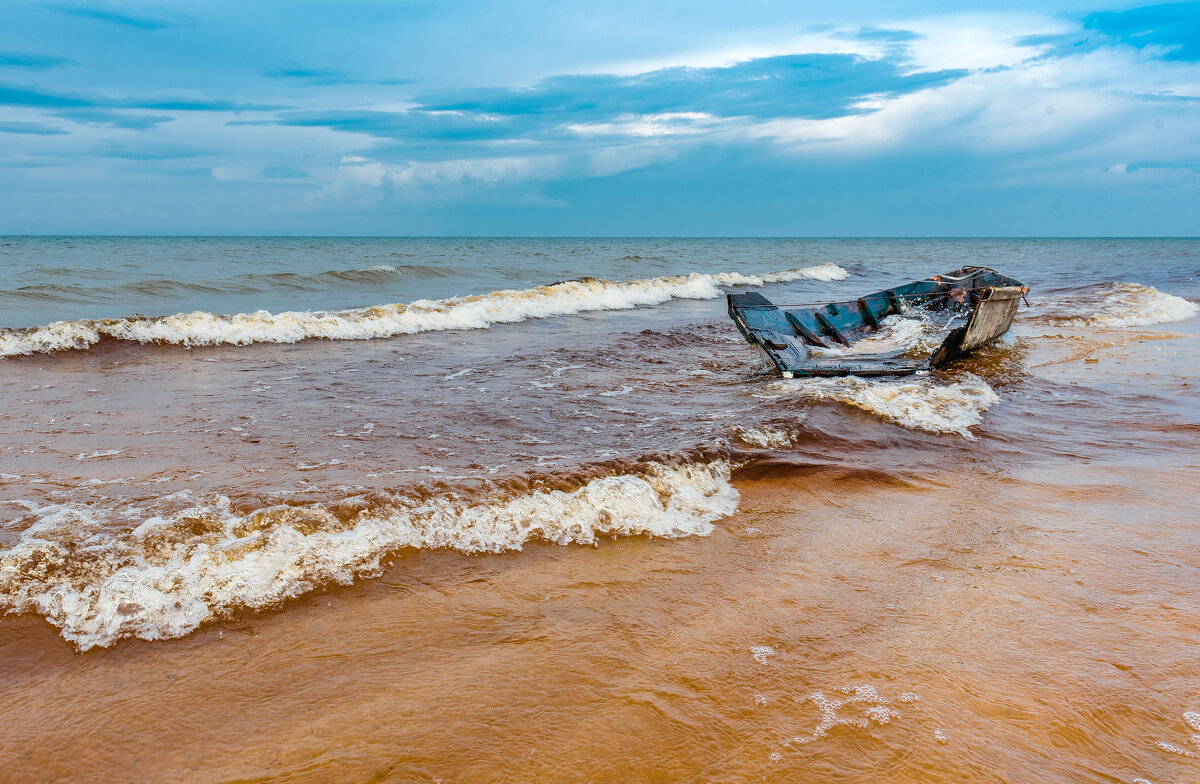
520,118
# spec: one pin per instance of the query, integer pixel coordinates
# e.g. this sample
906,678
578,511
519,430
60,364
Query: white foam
896,334
1126,305
475,312
102,453
761,653
875,711
763,437
918,403
175,571
624,390
1192,719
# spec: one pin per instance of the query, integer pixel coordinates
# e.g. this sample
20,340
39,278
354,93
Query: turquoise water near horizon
47,279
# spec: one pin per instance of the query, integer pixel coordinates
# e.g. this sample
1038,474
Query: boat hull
983,299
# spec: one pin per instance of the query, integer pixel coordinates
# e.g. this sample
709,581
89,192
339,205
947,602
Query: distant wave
377,273
240,284
474,312
178,569
49,292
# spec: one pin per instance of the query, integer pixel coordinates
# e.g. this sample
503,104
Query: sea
481,510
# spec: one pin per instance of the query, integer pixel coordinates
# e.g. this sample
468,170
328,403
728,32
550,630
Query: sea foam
1192,718
872,710
918,403
473,312
174,571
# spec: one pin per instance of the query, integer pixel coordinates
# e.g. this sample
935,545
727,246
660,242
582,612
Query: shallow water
359,559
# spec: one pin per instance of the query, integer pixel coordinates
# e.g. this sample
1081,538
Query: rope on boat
822,304
929,295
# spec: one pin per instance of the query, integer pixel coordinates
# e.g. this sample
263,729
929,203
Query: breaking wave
765,437
916,403
473,312
178,569
1116,305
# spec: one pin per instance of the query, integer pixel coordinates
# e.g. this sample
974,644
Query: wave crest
474,312
1117,305
915,403
175,571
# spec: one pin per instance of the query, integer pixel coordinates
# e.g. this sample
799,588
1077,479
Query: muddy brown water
328,561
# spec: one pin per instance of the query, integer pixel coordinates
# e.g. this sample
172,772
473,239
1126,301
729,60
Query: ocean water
514,509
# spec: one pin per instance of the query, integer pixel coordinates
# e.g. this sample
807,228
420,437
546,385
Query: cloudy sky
777,118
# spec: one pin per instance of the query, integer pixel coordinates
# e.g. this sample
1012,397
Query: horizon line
615,236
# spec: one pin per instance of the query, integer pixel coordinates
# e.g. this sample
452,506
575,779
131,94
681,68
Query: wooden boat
975,304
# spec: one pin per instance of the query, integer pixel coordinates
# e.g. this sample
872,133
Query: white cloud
646,125
1084,111
1087,111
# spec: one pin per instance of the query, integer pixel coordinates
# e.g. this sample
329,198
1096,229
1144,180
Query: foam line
474,312
916,403
178,569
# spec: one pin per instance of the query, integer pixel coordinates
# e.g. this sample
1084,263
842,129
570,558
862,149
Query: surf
201,328
100,581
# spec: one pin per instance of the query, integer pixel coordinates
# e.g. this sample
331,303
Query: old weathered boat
975,304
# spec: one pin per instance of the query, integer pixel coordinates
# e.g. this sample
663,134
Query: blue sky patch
1173,26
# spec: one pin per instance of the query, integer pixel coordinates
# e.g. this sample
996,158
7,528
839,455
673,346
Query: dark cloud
32,61
1183,165
39,129
1059,42
883,35
327,76
19,96
110,119
191,105
458,126
799,85
113,16
802,86
33,97
149,152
